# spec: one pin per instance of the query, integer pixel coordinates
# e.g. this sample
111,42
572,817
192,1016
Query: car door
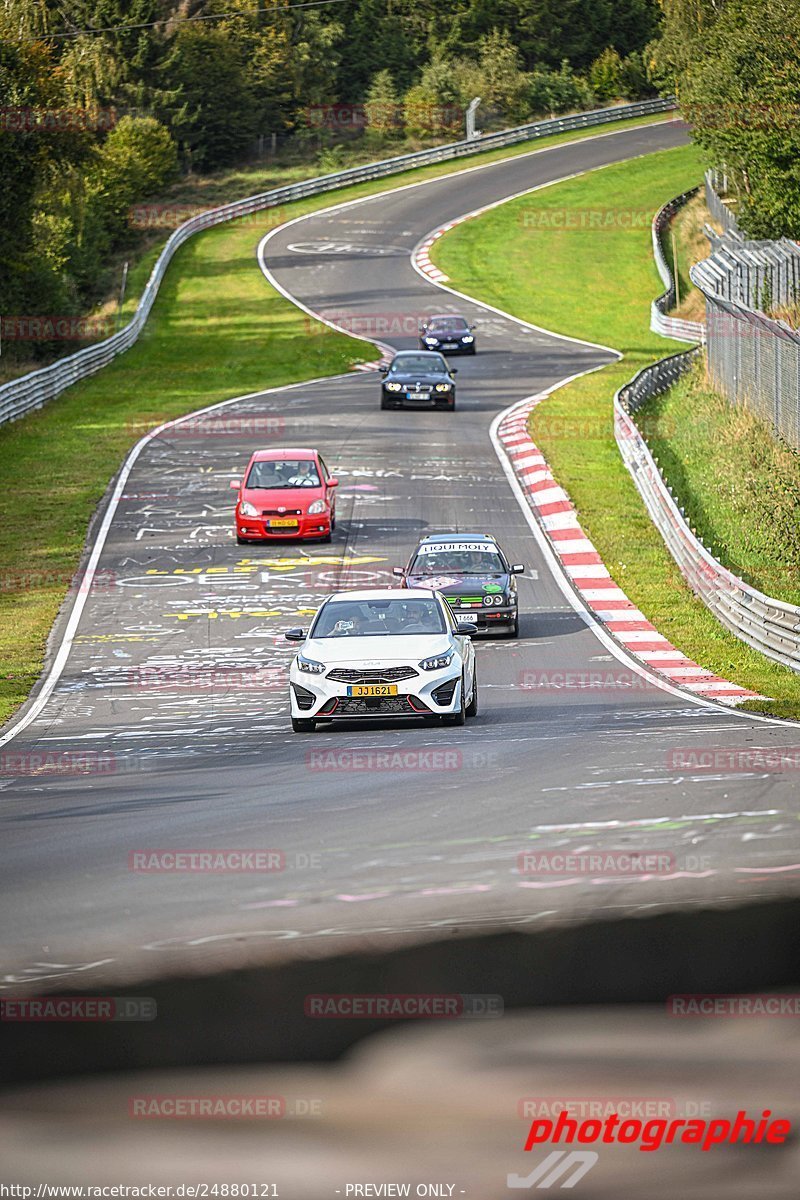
330,493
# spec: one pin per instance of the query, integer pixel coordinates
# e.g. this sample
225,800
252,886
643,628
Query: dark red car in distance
285,493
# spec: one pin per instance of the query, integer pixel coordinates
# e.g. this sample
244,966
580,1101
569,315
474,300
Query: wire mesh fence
753,351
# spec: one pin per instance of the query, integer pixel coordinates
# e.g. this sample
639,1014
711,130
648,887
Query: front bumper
413,399
486,618
450,347
259,529
431,693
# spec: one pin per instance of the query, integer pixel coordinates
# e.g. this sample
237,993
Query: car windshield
442,323
417,362
379,618
457,560
283,473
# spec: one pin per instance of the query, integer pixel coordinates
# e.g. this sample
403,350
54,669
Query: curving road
167,727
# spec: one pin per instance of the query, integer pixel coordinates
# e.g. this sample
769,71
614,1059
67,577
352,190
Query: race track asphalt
168,727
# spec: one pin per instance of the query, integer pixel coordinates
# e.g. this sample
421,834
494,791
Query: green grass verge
739,485
691,245
597,283
217,330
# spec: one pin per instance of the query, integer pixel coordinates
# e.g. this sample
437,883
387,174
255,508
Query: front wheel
303,725
514,630
240,541
385,403
460,717
472,707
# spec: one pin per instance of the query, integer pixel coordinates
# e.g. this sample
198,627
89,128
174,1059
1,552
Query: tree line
103,102
735,67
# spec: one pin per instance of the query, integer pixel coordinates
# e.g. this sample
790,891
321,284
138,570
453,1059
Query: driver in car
304,476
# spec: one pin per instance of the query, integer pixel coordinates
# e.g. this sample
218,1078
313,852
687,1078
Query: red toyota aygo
285,493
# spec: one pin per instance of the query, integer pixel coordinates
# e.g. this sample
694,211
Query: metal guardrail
31,391
751,273
769,625
660,322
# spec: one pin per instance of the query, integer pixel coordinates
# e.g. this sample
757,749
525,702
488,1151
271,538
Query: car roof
281,452
445,316
417,354
459,537
383,594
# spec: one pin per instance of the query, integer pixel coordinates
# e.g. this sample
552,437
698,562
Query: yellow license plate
283,523
372,689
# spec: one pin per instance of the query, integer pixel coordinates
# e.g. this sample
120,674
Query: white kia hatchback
386,653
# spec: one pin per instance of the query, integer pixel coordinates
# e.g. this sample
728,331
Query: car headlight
497,598
394,387
318,506
309,665
443,387
247,509
468,338
438,661
431,340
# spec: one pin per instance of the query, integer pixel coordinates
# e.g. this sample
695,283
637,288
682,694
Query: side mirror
295,635
398,571
235,483
333,481
474,325
518,569
384,370
467,627
454,370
